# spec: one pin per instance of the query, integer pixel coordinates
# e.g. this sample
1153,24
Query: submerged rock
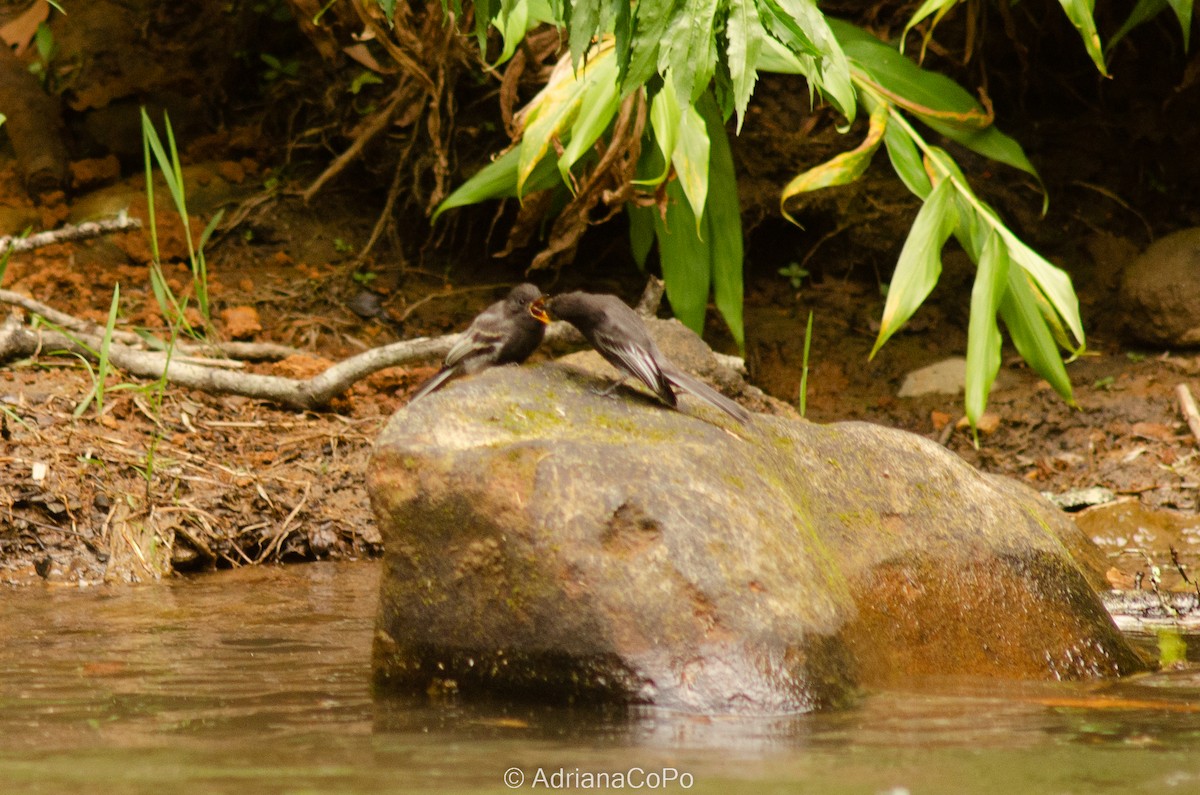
544,540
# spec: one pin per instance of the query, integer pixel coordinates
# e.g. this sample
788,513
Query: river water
258,681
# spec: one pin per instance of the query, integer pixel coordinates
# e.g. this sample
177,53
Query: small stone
241,322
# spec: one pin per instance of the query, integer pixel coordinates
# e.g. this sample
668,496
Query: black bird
620,336
507,331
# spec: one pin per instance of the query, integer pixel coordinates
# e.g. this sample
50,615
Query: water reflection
258,681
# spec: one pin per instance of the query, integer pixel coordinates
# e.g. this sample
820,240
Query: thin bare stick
68,233
1187,405
237,350
366,133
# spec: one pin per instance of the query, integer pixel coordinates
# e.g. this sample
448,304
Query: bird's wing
477,341
637,361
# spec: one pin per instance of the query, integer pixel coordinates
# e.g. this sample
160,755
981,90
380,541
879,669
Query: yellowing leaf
841,169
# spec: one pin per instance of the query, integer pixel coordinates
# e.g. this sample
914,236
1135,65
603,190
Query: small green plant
342,247
794,274
43,42
277,69
100,375
804,366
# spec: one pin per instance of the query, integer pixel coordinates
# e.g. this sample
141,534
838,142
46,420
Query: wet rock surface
546,541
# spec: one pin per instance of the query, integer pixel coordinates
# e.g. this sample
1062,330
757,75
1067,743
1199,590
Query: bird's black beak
538,311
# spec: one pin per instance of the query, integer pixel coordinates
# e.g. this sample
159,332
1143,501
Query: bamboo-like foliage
694,63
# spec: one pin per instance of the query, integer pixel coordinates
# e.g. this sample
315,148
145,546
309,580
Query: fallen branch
18,340
69,233
253,351
1187,405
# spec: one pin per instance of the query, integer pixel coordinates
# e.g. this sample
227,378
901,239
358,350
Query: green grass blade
983,333
920,261
804,366
105,347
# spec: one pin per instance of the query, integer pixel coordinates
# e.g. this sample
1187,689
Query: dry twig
1187,405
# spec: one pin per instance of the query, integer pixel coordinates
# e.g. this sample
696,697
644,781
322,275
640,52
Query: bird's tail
697,388
443,375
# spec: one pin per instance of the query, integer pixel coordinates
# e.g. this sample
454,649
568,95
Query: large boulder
1160,292
545,540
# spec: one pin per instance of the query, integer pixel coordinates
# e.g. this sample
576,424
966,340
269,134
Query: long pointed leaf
690,159
745,34
685,259
906,160
724,222
688,55
1029,333
983,335
920,261
841,169
1080,14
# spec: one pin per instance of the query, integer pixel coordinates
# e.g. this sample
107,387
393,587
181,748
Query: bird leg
608,390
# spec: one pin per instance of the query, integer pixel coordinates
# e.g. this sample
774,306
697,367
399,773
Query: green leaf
498,180
920,261
649,26
1080,14
583,27
665,115
549,115
993,144
906,160
900,81
724,223
685,259
485,10
841,169
690,159
1029,333
983,333
688,55
641,232
1053,283
804,30
938,7
512,22
1144,11
598,105
744,31
1183,12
